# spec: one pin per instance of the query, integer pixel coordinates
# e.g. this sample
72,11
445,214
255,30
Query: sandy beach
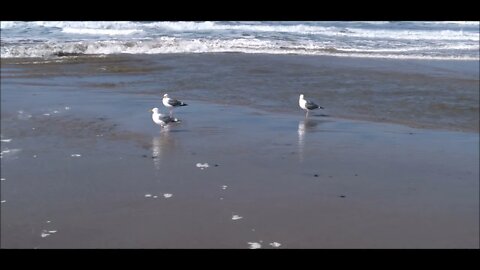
83,165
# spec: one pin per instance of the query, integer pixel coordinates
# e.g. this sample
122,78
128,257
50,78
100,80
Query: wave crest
165,45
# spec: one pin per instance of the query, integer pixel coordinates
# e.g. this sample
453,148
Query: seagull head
165,96
301,96
154,110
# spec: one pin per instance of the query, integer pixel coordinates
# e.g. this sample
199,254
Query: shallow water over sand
431,94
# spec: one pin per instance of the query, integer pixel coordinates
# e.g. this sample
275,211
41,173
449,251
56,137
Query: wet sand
438,94
88,169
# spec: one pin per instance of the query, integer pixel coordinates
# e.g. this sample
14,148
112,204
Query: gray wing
174,102
310,105
167,119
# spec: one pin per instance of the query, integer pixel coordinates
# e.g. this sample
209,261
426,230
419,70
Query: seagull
162,120
170,103
307,105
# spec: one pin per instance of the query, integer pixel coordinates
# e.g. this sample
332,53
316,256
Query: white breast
301,103
156,119
165,102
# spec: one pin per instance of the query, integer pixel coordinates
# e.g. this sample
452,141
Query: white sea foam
406,34
236,217
10,151
303,28
7,24
185,26
167,45
86,24
474,23
202,166
167,195
75,155
22,115
402,40
275,244
110,32
254,245
6,140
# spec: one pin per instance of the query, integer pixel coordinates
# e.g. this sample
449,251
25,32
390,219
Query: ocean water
405,40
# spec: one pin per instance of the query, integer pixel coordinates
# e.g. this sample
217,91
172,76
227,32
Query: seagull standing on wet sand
307,105
170,103
161,119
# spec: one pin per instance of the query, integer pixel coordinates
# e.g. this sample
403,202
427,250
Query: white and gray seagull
307,105
171,103
162,120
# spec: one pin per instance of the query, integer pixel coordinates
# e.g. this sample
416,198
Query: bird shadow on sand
320,115
178,130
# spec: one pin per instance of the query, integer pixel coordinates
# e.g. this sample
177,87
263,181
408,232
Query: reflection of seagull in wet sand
304,126
162,120
307,105
171,103
162,147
